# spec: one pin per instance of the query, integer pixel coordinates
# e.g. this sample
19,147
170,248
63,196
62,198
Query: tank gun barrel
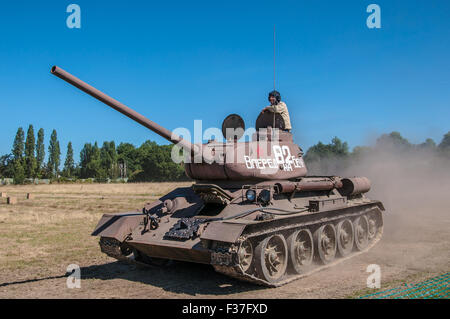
158,129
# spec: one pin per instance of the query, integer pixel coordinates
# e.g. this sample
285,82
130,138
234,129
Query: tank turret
271,153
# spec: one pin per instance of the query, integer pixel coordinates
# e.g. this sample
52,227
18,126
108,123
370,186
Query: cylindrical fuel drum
354,185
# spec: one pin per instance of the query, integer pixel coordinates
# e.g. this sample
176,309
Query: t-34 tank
252,213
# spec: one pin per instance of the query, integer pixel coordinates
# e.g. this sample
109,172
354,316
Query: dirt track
33,266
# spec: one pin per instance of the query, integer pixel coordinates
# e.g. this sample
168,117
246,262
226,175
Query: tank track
235,270
115,249
112,248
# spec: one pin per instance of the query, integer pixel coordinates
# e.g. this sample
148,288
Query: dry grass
141,189
53,228
39,238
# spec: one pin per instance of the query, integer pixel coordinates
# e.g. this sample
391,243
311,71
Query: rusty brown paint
216,222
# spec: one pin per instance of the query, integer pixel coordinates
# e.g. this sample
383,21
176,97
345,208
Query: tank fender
380,205
117,226
223,231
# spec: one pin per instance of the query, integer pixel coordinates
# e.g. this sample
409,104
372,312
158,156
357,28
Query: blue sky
178,61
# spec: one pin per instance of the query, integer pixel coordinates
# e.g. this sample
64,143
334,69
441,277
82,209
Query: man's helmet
275,94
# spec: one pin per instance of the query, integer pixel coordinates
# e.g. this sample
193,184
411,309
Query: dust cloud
413,184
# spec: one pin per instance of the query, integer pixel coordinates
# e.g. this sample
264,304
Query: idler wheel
301,250
126,250
345,237
325,243
271,258
245,255
361,227
374,226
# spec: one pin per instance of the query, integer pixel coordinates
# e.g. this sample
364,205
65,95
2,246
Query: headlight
264,196
250,195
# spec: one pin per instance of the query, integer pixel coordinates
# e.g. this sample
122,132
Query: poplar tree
94,166
17,151
18,146
30,159
19,172
69,165
40,152
54,154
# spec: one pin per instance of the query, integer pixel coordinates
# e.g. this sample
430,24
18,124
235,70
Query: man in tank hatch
278,106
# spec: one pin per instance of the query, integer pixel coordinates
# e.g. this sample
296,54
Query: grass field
54,227
40,237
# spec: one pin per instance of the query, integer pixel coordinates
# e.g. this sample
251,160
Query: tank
252,212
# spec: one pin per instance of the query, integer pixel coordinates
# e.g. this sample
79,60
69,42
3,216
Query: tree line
334,157
152,162
148,162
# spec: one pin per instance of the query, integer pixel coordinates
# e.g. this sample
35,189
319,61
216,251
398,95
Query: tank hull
220,234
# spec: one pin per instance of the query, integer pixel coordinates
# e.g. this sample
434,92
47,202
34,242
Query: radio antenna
273,124
274,56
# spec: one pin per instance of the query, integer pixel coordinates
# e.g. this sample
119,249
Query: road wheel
271,258
345,234
374,226
361,227
245,255
301,250
325,243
